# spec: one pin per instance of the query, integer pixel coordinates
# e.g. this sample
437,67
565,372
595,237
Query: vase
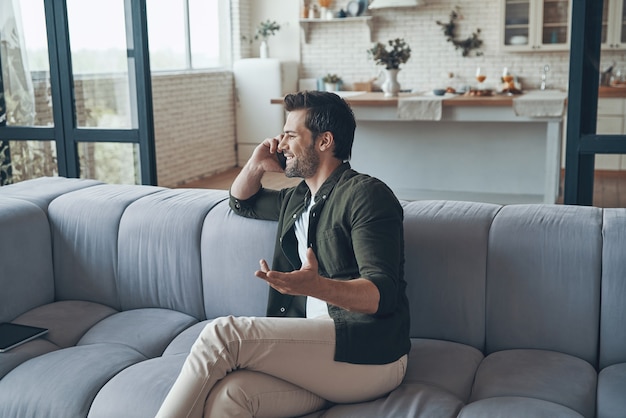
331,86
264,50
390,86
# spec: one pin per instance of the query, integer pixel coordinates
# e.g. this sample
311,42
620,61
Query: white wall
285,45
341,47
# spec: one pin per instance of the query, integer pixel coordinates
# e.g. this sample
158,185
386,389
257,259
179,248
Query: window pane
204,28
111,162
166,34
100,63
24,160
25,68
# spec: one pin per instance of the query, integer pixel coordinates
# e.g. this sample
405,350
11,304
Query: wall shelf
305,24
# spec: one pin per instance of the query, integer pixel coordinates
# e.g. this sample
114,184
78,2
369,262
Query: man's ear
327,141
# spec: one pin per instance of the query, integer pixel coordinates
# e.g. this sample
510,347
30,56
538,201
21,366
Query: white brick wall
194,121
341,47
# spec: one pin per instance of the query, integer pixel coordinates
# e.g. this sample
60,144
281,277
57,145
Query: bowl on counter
439,92
518,40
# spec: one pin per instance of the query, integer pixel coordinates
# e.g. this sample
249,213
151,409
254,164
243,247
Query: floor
609,188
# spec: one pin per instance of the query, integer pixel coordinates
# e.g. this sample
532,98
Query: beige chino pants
280,367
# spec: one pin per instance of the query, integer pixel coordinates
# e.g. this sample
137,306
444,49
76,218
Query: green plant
266,29
396,52
468,44
331,78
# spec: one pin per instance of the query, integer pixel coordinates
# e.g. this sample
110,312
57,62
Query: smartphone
282,160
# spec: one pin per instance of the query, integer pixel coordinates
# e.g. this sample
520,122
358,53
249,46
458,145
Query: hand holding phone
282,160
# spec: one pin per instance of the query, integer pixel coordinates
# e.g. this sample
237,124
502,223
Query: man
338,318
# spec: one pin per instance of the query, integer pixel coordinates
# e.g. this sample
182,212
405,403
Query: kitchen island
469,148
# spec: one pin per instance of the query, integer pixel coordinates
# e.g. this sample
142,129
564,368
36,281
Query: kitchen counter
606,91
378,99
474,149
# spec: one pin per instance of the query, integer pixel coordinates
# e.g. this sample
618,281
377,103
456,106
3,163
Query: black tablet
12,335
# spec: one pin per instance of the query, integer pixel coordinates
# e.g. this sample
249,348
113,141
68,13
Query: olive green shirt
355,230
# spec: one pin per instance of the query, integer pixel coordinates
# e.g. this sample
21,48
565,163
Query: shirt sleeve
265,204
378,241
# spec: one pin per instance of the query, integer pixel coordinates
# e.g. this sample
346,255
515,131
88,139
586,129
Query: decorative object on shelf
264,31
468,44
354,8
325,12
391,56
331,82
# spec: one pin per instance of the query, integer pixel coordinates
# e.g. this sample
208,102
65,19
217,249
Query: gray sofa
516,311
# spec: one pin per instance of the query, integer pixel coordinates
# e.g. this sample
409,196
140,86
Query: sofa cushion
85,228
231,249
547,375
159,250
67,321
62,383
445,253
611,393
183,341
443,364
139,390
148,330
613,317
25,258
41,191
543,275
408,400
18,355
510,406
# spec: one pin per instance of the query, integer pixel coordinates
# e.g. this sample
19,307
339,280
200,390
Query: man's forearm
247,182
359,295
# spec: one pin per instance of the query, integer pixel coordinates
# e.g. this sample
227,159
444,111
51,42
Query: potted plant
264,31
331,82
396,52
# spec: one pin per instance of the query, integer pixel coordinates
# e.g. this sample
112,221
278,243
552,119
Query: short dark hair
326,111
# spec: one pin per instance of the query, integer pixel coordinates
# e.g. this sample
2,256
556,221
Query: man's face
299,147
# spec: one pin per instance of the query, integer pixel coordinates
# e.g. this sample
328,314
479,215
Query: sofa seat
121,339
147,330
146,383
516,406
612,391
62,383
554,377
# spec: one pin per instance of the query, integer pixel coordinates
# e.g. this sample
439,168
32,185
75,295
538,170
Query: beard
304,166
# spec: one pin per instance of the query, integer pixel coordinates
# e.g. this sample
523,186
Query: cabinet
535,25
610,121
614,25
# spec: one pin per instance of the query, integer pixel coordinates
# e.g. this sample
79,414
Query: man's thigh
245,393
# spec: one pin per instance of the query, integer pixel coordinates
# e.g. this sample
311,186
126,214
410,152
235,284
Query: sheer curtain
17,98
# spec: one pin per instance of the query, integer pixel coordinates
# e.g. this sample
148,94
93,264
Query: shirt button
324,197
282,309
314,214
237,206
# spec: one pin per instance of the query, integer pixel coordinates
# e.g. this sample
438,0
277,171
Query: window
188,34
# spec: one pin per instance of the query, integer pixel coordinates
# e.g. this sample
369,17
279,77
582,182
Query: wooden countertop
605,91
378,99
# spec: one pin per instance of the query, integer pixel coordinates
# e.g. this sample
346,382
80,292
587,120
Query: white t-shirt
315,308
